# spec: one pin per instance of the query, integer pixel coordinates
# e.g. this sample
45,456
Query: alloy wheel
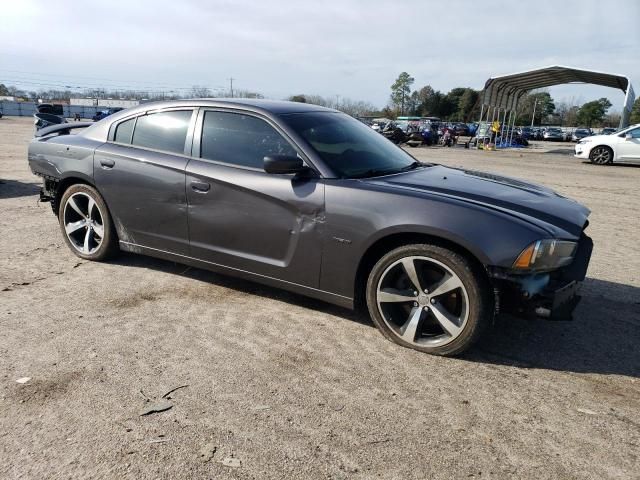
83,223
601,155
423,301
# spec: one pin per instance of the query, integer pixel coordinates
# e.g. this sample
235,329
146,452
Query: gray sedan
313,201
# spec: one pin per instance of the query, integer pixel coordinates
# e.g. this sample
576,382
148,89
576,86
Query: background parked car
580,133
105,113
50,108
537,133
462,129
527,133
553,133
623,146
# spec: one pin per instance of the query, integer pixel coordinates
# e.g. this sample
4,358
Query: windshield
347,146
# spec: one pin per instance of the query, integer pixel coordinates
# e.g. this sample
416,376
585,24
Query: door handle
200,187
107,163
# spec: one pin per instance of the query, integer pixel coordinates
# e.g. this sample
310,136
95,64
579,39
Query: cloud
352,48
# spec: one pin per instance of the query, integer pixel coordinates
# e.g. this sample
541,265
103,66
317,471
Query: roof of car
271,106
99,130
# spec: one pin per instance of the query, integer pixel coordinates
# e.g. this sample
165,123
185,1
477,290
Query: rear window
124,131
166,131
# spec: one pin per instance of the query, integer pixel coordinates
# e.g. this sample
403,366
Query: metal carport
501,94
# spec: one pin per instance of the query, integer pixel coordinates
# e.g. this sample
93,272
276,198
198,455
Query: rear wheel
601,155
429,298
86,224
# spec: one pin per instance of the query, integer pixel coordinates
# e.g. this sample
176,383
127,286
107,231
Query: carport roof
505,91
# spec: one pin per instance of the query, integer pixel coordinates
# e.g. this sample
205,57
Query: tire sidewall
477,293
109,241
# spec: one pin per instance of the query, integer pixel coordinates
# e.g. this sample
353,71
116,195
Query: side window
240,139
165,131
635,133
124,131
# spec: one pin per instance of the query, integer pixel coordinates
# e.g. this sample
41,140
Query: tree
592,112
612,119
571,117
635,112
3,89
467,105
413,104
200,92
355,108
432,106
541,102
401,89
424,93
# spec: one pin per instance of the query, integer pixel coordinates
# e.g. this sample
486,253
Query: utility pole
231,86
534,111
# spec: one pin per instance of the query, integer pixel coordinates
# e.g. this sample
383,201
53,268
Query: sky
345,48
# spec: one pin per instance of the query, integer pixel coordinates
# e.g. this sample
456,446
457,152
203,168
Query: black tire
601,155
107,247
477,289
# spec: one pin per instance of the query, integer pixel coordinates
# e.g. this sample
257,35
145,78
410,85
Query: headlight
584,140
546,255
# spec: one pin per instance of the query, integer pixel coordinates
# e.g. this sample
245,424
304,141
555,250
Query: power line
49,75
130,88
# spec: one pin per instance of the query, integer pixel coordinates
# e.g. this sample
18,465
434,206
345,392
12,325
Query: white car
621,146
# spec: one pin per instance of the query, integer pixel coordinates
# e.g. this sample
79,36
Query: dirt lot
294,388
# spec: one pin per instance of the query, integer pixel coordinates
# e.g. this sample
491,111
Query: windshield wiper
411,166
376,172
373,172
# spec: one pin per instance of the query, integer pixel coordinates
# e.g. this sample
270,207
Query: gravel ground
280,386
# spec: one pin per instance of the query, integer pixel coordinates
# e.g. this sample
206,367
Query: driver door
242,217
629,148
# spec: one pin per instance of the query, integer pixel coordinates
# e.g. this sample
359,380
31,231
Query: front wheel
601,155
86,224
429,298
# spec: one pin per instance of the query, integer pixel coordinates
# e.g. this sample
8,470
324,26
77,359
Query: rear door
140,172
240,216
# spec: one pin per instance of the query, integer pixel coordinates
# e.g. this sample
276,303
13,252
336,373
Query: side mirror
628,136
283,164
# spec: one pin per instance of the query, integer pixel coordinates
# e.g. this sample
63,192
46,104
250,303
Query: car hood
597,137
523,199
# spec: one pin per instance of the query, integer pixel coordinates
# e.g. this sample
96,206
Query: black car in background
50,109
105,113
462,129
580,133
311,200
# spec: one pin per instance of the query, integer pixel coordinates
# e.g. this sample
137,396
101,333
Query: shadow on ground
561,151
603,338
15,189
614,165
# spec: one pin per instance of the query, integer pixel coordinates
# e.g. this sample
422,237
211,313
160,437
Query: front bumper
581,150
550,295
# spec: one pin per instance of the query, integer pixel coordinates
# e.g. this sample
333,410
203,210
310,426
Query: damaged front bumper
550,295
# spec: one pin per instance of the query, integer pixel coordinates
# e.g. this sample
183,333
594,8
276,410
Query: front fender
358,219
